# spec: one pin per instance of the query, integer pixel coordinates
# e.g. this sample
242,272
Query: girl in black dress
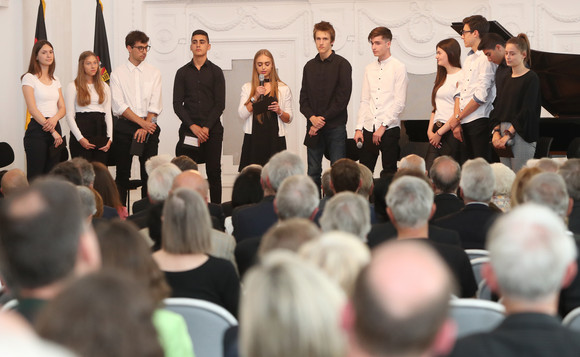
264,131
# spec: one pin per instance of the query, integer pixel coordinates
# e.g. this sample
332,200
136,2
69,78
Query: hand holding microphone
261,78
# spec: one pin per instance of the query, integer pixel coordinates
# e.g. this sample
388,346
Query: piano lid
559,75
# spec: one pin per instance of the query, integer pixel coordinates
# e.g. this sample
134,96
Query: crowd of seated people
297,272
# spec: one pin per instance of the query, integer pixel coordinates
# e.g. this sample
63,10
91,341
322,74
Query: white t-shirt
445,97
46,96
94,106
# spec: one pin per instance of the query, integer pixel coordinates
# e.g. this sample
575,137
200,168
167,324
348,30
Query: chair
206,323
9,305
572,320
476,253
474,316
6,154
476,265
484,291
543,146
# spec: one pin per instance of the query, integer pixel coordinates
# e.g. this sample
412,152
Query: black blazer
574,218
253,220
447,203
246,253
382,232
525,334
472,224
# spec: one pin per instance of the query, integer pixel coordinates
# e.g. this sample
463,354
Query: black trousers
476,138
449,147
210,153
123,137
389,149
39,148
93,127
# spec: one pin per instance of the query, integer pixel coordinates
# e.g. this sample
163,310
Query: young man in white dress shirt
136,92
384,92
477,91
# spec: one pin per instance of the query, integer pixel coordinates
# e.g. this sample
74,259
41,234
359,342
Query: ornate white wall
238,28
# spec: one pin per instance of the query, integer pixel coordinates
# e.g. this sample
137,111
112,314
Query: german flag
39,34
101,45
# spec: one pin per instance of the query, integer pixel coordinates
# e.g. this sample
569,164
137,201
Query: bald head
445,174
13,181
413,162
401,300
194,181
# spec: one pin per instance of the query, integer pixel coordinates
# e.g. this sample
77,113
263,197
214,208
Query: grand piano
559,75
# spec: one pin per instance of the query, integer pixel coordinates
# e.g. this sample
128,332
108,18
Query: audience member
44,242
367,183
547,165
522,178
400,304
105,185
347,212
247,189
345,176
299,322
13,181
151,164
254,220
184,255
410,203
504,179
297,197
340,255
531,259
123,250
445,174
102,314
570,171
289,234
86,169
413,162
184,163
325,183
69,171
88,203
473,221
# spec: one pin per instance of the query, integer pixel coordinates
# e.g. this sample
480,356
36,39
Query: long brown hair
34,66
453,51
105,185
522,42
274,79
83,95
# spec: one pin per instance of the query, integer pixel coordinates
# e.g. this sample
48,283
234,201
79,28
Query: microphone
359,144
261,78
154,121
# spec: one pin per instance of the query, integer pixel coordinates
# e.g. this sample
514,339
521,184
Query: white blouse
93,106
45,96
285,102
444,98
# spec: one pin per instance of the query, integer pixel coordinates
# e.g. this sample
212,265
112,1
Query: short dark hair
477,22
200,32
324,26
86,169
184,163
39,247
345,175
68,171
136,36
382,31
490,40
247,187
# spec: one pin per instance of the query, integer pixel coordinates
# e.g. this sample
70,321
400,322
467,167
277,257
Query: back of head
410,200
367,181
547,165
92,314
69,171
105,185
325,182
88,201
192,180
340,255
570,171
160,181
40,230
297,197
549,190
86,169
529,252
347,212
282,165
184,163
413,162
289,234
124,250
345,176
155,161
401,300
522,177
300,323
504,178
13,181
186,223
247,187
445,174
477,180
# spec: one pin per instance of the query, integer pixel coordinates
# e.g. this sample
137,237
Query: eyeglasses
142,48
463,32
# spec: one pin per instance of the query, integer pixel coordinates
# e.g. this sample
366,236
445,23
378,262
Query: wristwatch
252,100
385,125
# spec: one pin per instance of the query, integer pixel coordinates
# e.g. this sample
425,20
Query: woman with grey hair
184,256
